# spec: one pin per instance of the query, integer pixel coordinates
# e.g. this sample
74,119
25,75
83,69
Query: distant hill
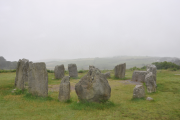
110,62
107,63
7,64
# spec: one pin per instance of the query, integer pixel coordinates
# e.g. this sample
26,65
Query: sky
71,29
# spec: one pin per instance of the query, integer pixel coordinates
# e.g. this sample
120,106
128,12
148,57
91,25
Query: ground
166,103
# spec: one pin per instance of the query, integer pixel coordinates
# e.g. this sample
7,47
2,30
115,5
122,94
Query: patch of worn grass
92,105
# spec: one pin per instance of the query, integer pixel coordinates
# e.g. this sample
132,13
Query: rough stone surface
72,68
107,74
139,91
120,70
93,87
150,82
91,66
149,98
153,69
139,76
64,89
21,73
59,71
38,79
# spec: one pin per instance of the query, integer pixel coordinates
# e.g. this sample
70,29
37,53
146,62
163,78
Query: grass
166,103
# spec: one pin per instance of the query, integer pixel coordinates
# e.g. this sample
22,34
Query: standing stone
64,89
72,68
21,73
38,79
107,74
139,76
120,70
139,91
91,66
93,87
153,69
150,82
59,71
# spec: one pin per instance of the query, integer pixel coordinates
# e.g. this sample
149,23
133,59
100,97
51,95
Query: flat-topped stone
107,74
59,71
38,79
72,68
139,76
120,70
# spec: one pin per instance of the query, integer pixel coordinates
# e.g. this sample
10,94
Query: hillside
109,62
7,64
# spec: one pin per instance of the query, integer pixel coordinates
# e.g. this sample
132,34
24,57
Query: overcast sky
69,29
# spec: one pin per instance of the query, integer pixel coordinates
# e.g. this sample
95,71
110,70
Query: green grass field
23,106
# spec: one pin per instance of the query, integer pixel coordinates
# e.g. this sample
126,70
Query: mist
71,29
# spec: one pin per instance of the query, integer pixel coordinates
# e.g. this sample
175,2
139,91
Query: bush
81,71
6,71
166,65
50,71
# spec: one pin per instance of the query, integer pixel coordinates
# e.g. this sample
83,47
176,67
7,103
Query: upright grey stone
120,70
91,66
72,68
153,69
38,79
93,87
150,82
64,89
107,74
139,76
59,71
139,91
21,73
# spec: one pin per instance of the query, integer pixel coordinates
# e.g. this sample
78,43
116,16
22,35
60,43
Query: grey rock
91,66
120,70
93,87
107,74
139,76
150,83
38,79
153,69
72,68
59,71
21,73
149,98
139,91
64,89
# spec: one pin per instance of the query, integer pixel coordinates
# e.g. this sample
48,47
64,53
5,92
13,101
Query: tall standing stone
139,76
59,71
93,87
139,91
64,89
150,82
153,69
21,73
72,68
120,70
38,79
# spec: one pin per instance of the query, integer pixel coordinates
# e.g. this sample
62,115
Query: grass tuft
29,96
